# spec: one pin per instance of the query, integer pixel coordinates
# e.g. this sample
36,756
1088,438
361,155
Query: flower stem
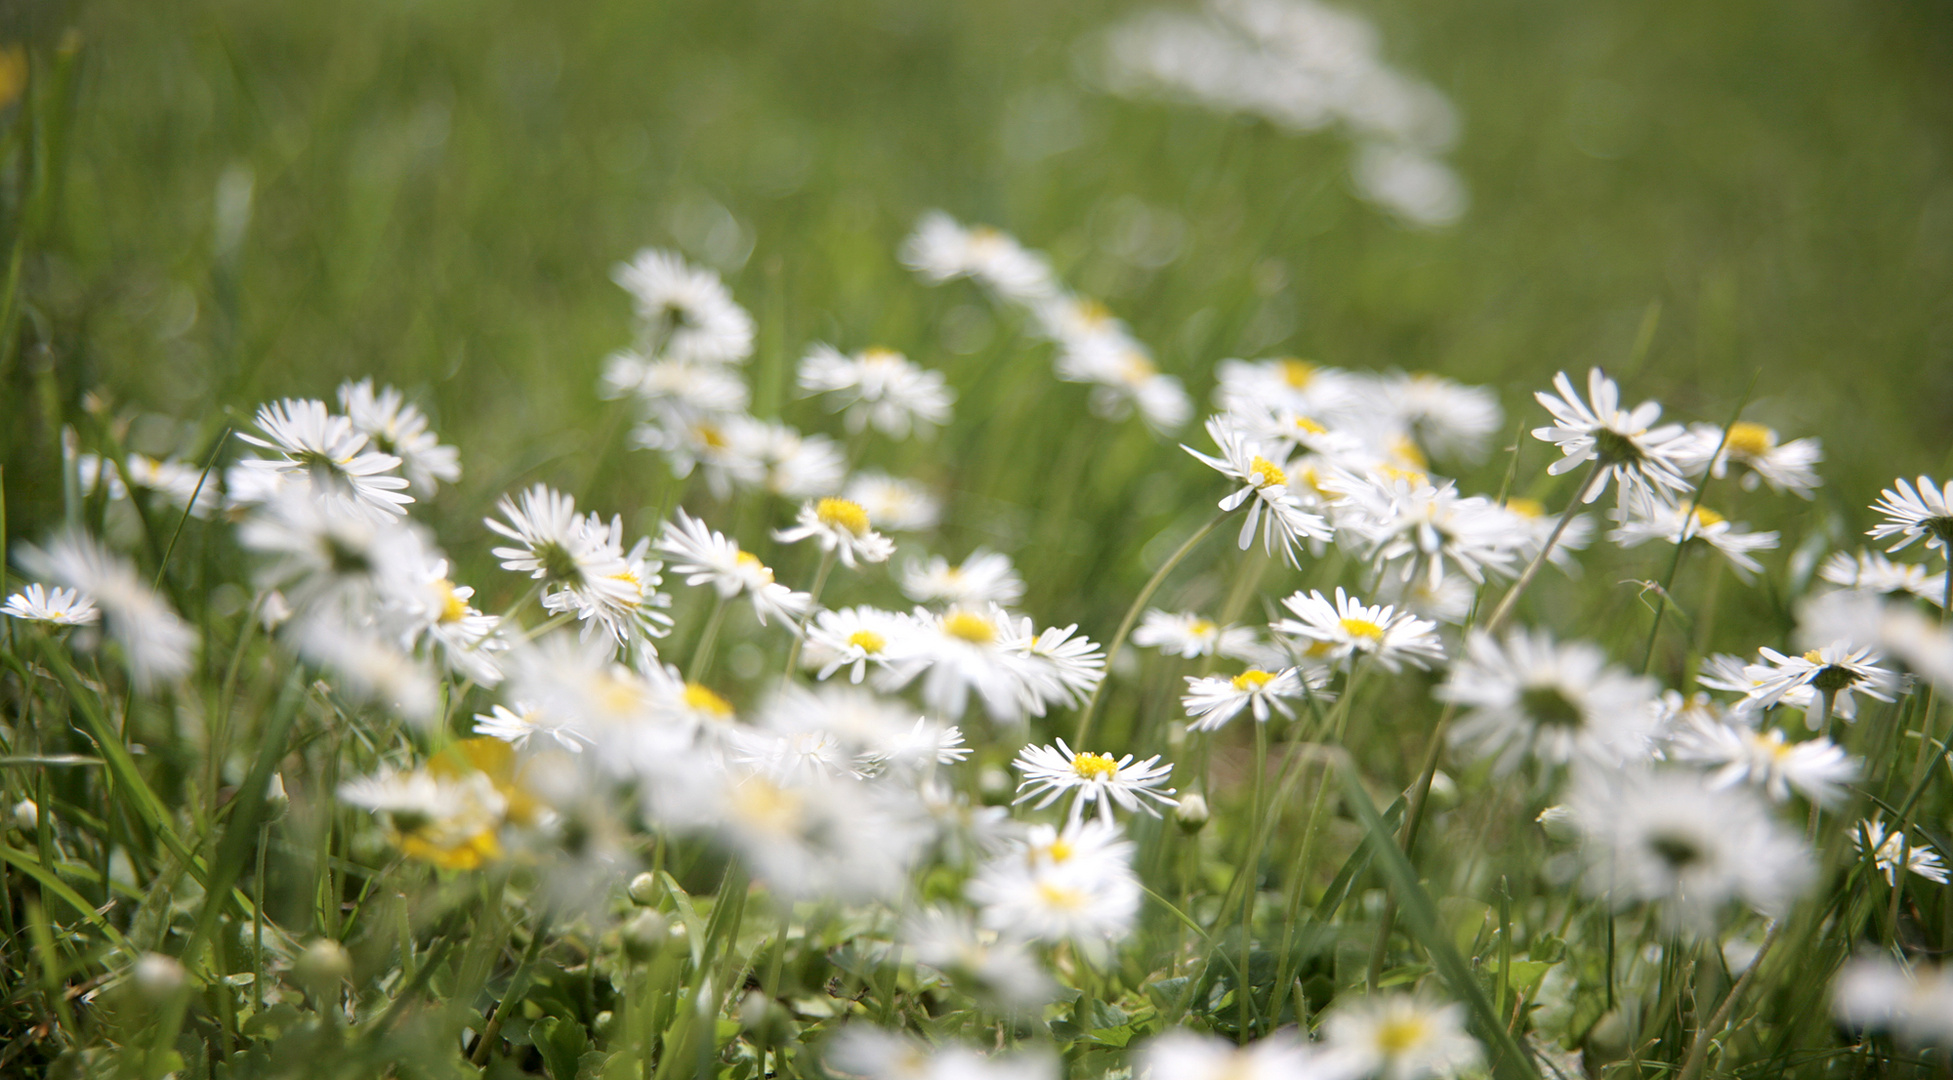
702,652
814,596
1511,598
1132,614
1699,1048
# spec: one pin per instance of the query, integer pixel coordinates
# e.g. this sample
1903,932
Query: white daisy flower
789,464
820,839
897,505
1529,696
157,645
1076,885
367,666
1868,619
879,387
1873,572
1740,752
553,544
1644,516
518,725
1754,447
1535,526
1832,675
725,447
1451,602
704,555
56,607
1001,969
1292,386
873,1054
1629,448
1415,528
450,821
673,391
1183,1055
1349,627
1911,514
184,485
968,650
1266,489
1398,1037
331,454
1062,669
984,577
1077,322
398,428
941,250
854,638
1188,636
1670,838
684,313
621,594
1449,418
1212,701
1890,850
1915,1003
839,526
1053,771
1125,379
439,613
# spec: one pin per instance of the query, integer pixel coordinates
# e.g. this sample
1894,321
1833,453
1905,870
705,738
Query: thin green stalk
1250,859
1690,524
1511,598
1084,729
813,596
702,652
1699,1048
210,462
518,986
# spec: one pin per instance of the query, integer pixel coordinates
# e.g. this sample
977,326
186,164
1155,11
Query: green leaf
562,1042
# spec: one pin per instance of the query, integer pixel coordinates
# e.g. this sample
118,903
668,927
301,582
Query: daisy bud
1192,813
763,1020
27,816
323,966
158,977
644,935
1444,792
995,783
1557,821
602,1023
275,797
645,890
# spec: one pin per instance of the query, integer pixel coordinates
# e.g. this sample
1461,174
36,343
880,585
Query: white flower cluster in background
1302,65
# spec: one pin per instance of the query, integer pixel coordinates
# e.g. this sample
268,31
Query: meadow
972,389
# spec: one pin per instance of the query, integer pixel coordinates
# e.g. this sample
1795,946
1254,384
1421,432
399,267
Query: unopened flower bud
645,890
1192,813
644,935
765,1023
276,800
1557,821
323,966
27,816
158,977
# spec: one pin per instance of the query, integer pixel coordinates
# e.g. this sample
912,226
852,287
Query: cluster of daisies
842,774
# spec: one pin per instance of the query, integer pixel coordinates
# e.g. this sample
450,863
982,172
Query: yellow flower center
1362,628
702,699
750,561
1271,474
710,435
880,356
1136,368
1400,1035
867,641
453,607
1063,897
1706,517
1060,850
1409,453
1298,373
842,513
619,696
969,627
1410,476
1252,679
1528,508
1310,426
1200,628
767,806
1317,650
1091,312
1750,440
1094,766
1814,657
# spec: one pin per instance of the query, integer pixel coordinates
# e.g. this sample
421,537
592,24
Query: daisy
968,650
983,577
873,1054
879,387
439,613
839,526
684,313
1052,771
188,487
1417,528
941,250
1528,518
1909,514
673,391
518,725
1451,602
1284,385
854,638
56,607
898,505
623,597
1671,838
1832,675
1866,618
1001,968
1641,457
1529,696
1398,1037
1873,572
1644,516
1890,851
1783,466
1080,322
330,453
820,839
789,464
1184,1055
552,544
450,821
157,645
398,428
1740,752
1062,666
367,666
1214,700
704,555
1125,379
1452,419
1187,635
1077,885
1348,628
1914,1003
1265,488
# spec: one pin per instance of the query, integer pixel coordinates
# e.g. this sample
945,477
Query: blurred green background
438,190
